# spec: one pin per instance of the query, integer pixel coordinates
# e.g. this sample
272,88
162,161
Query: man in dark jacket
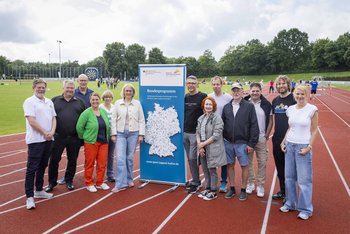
241,134
264,116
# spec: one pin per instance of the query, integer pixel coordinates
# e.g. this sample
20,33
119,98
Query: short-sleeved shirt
84,97
43,111
221,101
299,121
279,108
193,110
314,85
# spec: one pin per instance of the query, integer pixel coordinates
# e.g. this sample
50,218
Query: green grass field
13,94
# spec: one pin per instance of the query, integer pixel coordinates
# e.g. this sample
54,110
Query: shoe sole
209,199
44,197
243,199
228,197
30,208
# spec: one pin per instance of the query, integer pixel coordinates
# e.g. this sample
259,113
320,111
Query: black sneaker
210,196
204,193
230,193
187,185
193,189
278,196
111,179
243,195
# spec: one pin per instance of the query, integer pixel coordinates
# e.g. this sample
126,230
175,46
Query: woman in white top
107,97
128,129
297,145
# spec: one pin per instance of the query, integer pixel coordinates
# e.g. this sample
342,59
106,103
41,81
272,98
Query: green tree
192,65
135,55
114,56
318,54
155,56
207,64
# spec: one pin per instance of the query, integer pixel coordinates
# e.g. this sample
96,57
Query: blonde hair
107,93
302,88
122,93
217,78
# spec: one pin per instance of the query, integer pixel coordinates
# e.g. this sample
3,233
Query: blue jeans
126,145
110,166
298,172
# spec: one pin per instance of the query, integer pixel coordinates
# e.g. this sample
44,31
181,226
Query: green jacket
87,125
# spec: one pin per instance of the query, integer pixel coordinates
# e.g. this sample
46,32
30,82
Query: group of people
74,119
220,128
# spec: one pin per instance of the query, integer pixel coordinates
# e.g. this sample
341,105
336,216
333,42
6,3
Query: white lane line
334,112
19,152
172,214
268,206
12,164
335,163
12,172
339,99
13,151
14,134
55,196
117,212
78,213
10,142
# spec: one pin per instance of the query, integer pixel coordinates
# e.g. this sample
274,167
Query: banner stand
162,155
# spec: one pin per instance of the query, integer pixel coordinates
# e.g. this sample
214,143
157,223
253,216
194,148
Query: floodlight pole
59,56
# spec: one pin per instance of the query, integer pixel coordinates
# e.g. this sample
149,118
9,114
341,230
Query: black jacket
266,106
243,128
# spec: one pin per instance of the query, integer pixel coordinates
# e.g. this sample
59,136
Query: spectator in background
193,101
241,134
107,98
271,86
264,116
68,109
40,128
279,107
210,145
297,146
293,86
314,85
221,98
93,128
128,130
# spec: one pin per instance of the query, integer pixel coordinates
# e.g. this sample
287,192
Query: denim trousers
125,150
110,159
298,173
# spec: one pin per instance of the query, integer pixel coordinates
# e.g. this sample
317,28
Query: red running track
154,209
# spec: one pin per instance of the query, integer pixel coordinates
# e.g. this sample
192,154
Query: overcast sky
29,29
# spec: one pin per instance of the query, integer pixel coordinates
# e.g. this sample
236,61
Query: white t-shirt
109,112
260,115
299,121
43,111
221,101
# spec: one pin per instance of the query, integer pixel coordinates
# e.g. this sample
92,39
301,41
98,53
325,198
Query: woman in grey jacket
210,145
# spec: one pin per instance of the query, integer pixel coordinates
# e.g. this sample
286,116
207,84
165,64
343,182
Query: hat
236,85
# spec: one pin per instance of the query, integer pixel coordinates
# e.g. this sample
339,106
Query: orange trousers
95,152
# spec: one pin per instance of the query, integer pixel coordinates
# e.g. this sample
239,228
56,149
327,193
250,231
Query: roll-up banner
162,90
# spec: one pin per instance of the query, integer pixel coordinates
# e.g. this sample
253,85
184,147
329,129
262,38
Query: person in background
93,128
221,99
293,85
40,117
280,105
241,134
128,130
193,101
314,85
210,145
264,115
68,109
107,98
271,86
297,146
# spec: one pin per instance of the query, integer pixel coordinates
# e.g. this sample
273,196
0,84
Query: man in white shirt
40,129
221,99
263,109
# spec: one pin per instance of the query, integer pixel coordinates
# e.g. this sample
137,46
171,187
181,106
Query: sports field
156,209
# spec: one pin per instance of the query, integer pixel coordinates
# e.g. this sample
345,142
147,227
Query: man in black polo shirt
68,109
193,110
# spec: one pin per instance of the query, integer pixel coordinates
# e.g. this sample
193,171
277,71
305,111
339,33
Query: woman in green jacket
93,127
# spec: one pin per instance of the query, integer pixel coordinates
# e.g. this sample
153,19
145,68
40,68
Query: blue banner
162,156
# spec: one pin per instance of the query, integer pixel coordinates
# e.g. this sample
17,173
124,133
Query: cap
236,85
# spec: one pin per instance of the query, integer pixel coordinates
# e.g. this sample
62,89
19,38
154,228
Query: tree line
290,51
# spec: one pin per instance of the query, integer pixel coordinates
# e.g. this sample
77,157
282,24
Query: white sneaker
260,191
30,204
303,216
250,188
103,186
42,194
91,189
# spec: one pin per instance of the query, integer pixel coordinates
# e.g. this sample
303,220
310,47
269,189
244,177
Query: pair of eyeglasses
192,83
